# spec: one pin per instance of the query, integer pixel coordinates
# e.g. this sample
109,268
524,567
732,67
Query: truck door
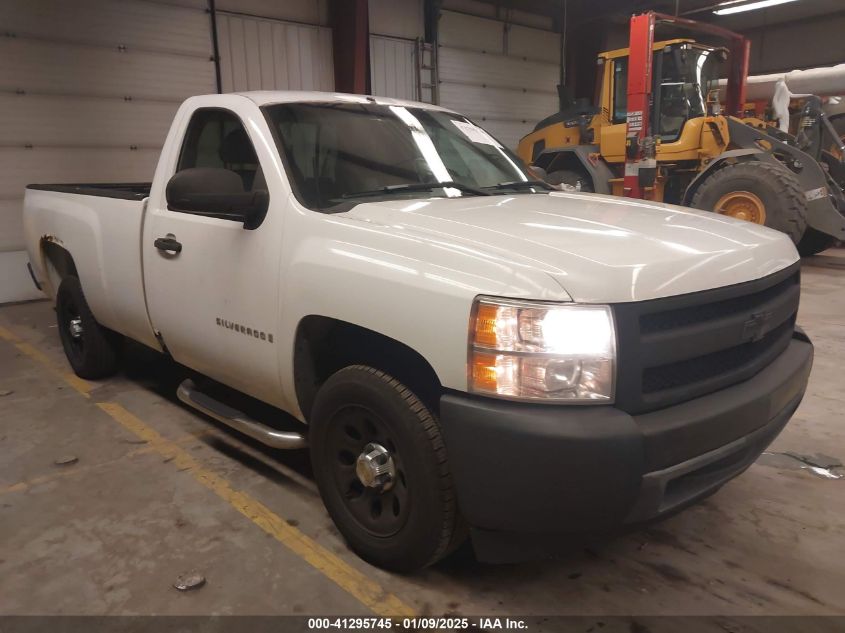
213,285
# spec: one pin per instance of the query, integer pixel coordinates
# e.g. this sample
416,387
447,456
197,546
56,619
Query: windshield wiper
418,186
523,184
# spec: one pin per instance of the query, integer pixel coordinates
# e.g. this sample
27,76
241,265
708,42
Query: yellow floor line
78,469
368,592
79,384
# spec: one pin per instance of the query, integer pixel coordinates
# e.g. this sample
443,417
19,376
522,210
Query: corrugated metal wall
503,76
301,11
87,92
88,88
267,54
395,27
394,69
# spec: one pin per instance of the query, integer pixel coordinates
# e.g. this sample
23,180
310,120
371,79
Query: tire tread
450,530
101,344
788,188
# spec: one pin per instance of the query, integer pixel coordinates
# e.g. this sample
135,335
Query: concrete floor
159,490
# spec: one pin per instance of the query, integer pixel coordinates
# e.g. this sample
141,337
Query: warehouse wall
502,75
497,12
801,44
303,11
88,88
87,91
500,66
396,28
272,45
267,54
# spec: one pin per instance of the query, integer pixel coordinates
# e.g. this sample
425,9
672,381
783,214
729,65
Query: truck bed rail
122,191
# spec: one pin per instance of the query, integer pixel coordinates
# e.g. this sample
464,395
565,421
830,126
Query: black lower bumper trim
553,470
666,491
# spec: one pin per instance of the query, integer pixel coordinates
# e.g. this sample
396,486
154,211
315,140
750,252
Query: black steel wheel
91,349
382,470
382,507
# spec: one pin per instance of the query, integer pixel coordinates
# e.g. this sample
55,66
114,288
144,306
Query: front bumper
534,469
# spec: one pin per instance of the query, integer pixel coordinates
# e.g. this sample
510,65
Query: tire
776,187
91,349
838,123
415,522
570,177
815,242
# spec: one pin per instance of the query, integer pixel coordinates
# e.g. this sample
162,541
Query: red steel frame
640,86
639,101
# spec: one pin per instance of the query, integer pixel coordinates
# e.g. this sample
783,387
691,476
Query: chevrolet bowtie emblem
755,328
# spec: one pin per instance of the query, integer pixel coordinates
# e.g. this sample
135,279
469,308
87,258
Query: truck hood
597,248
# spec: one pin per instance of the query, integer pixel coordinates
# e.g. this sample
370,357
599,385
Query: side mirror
216,193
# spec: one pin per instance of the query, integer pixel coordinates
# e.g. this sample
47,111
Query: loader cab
684,73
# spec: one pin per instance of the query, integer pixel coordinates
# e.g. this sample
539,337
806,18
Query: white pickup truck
465,350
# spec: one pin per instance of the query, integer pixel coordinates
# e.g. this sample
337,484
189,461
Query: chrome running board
190,395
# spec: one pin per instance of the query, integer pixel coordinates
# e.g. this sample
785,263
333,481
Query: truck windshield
338,152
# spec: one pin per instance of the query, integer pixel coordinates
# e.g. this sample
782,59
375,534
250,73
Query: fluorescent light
724,4
760,4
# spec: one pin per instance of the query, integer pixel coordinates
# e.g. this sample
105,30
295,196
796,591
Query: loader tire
757,192
571,177
91,349
815,242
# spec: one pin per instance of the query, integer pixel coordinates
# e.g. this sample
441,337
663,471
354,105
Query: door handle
168,244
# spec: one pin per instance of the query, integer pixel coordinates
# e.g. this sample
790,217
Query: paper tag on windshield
475,133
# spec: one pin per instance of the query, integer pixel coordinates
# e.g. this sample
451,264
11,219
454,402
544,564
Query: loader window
686,75
620,90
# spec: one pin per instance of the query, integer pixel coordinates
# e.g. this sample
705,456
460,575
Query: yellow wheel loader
657,131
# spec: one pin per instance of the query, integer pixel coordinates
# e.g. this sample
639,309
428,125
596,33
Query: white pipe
823,82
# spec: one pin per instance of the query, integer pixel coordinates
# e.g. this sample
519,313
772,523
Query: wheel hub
75,328
375,468
742,205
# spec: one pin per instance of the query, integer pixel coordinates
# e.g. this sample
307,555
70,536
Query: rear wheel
381,467
757,192
577,179
91,349
815,242
838,123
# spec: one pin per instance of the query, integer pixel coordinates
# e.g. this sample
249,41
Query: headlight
542,351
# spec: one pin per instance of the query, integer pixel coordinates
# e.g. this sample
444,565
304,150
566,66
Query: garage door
266,54
394,70
503,76
87,92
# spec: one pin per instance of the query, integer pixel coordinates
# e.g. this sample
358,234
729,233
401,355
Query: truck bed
121,191
100,225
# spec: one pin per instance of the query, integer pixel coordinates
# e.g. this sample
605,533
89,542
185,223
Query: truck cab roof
271,97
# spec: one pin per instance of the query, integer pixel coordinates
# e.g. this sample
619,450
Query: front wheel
577,179
91,349
757,192
815,242
381,467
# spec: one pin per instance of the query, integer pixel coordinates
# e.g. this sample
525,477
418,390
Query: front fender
402,286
